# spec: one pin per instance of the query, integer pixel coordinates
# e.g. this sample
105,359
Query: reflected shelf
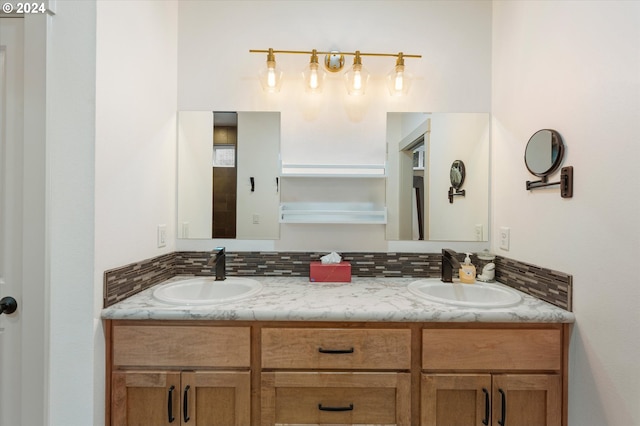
334,170
333,212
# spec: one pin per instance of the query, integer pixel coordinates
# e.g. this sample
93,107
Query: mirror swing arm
453,192
566,182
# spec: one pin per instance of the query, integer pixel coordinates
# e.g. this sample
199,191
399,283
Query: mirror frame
556,140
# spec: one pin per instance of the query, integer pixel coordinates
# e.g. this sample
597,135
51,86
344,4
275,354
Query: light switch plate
162,235
504,238
478,232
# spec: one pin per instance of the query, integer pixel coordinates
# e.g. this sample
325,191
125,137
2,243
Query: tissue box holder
330,272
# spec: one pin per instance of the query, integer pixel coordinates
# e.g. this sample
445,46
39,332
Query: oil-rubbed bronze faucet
449,261
218,260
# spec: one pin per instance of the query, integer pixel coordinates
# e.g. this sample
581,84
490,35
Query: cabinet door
527,399
216,398
455,399
145,398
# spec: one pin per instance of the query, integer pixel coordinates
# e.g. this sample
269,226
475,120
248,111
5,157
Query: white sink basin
478,295
207,291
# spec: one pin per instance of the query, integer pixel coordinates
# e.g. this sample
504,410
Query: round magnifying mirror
544,152
456,174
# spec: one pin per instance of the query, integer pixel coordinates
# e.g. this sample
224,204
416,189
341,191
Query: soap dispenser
467,272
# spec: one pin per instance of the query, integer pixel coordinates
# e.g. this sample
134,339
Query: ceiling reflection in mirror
417,201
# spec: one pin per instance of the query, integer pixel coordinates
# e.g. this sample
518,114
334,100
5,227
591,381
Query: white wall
575,67
217,72
195,186
135,170
70,134
458,220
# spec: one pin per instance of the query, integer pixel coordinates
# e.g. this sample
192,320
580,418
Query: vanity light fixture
271,77
356,79
398,80
313,74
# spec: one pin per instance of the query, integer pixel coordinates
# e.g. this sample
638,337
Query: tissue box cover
330,272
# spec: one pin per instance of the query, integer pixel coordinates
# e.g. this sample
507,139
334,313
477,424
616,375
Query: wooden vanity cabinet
492,377
268,373
179,375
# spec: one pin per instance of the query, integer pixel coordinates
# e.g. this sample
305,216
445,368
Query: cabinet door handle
485,421
503,409
185,404
349,408
335,351
170,405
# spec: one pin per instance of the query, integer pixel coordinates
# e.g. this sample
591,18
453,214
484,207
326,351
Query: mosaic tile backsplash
420,265
128,280
545,284
551,286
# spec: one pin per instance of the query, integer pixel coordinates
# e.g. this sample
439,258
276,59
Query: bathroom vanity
366,352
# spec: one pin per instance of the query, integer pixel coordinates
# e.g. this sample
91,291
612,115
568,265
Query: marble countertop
364,299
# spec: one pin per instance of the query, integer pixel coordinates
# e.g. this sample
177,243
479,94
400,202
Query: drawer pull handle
503,409
485,421
349,408
185,404
170,404
335,351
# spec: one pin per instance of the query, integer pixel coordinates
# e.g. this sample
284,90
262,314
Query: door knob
8,305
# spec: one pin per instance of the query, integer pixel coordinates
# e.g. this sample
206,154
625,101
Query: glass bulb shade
356,79
271,77
398,81
313,76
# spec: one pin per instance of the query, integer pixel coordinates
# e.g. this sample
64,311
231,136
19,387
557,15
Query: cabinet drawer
181,346
495,350
358,349
336,398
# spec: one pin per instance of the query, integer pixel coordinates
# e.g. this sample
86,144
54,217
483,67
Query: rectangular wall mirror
421,150
228,174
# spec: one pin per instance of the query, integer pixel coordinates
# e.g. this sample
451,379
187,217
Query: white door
11,141
258,155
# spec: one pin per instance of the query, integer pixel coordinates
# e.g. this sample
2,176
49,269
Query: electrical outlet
162,235
504,238
185,229
256,219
